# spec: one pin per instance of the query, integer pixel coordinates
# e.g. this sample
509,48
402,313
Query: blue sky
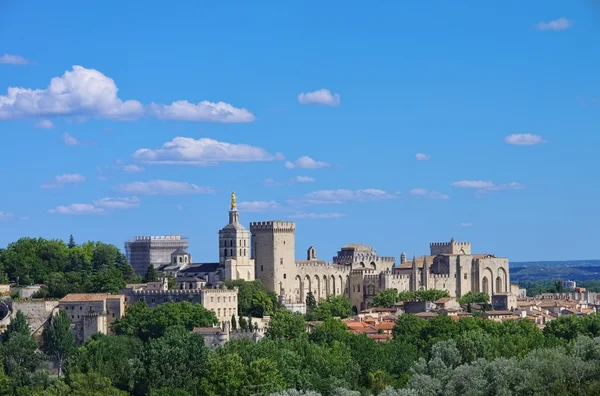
393,124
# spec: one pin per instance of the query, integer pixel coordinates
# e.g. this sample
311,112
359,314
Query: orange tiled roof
385,325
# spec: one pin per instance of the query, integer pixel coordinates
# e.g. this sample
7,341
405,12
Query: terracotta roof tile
85,297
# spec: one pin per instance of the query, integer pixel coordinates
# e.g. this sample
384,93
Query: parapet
273,226
433,244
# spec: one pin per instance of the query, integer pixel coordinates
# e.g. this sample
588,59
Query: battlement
215,291
439,276
444,244
397,277
311,264
363,271
387,259
168,292
273,226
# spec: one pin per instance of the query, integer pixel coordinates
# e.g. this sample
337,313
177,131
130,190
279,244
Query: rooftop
87,297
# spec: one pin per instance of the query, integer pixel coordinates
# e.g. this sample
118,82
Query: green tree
145,323
431,294
474,298
243,323
225,376
20,358
285,325
311,303
71,243
386,298
114,357
330,331
59,340
18,325
264,377
233,323
246,292
177,360
151,274
335,306
262,304
407,296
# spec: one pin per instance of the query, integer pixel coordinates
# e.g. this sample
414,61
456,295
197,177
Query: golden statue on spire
233,204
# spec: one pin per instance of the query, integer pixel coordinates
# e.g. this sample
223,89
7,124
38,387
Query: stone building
223,302
92,313
156,250
234,255
37,312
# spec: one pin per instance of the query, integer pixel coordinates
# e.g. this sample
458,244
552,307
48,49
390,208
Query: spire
452,240
414,262
233,202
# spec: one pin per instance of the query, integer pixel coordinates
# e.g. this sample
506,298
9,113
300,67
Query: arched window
240,252
230,242
180,259
284,276
231,252
244,252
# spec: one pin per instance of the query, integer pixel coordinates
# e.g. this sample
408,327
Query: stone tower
414,276
273,251
234,247
403,258
425,274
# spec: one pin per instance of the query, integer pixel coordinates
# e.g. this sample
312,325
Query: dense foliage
535,288
388,297
65,268
254,299
154,353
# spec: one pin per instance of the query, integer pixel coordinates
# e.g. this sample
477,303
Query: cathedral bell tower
234,247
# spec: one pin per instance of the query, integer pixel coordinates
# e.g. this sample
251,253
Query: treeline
65,267
535,288
155,353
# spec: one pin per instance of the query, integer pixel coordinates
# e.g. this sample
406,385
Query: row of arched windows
243,252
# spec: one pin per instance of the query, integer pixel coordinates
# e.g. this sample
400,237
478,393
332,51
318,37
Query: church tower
234,248
414,276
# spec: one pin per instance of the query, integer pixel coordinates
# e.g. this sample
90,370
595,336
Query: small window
284,276
240,252
465,276
244,252
261,268
153,299
212,299
218,299
281,261
231,252
80,307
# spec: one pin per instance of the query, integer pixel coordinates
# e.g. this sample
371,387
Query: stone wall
37,312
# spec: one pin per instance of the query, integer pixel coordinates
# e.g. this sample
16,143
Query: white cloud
77,208
132,168
321,96
180,208
189,151
44,124
422,157
464,225
257,206
306,163
8,59
487,186
79,92
480,184
204,111
429,194
6,215
118,203
341,196
293,180
69,140
556,25
303,179
303,215
523,139
163,187
67,178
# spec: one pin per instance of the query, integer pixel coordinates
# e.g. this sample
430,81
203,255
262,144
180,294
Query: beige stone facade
357,271
92,313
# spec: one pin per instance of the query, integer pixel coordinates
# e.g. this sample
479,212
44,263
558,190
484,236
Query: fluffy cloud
163,187
306,163
204,111
257,206
487,186
189,151
321,97
8,59
67,178
118,203
132,168
69,140
523,139
303,215
79,92
44,124
556,25
341,196
422,157
77,208
100,206
429,194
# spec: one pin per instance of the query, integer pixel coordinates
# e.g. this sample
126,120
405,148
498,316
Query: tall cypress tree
59,340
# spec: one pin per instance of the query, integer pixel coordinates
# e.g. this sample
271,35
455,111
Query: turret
425,274
403,258
414,276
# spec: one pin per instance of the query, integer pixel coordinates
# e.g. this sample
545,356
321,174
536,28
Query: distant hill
570,263
577,270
